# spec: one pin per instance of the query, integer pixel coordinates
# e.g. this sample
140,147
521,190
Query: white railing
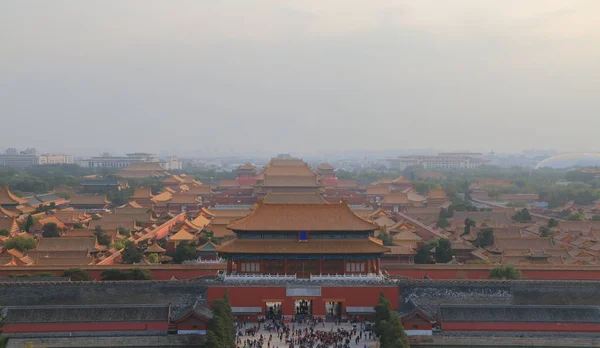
370,277
199,261
364,277
250,277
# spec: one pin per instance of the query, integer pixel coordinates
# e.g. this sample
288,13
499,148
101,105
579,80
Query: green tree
123,231
485,237
153,258
76,274
139,274
103,238
4,232
131,254
552,223
576,216
596,218
469,223
20,243
382,314
387,325
78,226
393,335
443,223
220,330
423,255
443,251
544,231
113,274
385,238
134,274
522,215
28,223
184,251
421,187
505,272
50,230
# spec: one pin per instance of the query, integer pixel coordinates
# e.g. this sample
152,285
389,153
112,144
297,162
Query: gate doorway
303,308
273,310
333,311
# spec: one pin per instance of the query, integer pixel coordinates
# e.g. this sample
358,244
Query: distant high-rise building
108,161
448,160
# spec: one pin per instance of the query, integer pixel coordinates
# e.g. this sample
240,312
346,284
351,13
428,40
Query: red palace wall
71,327
256,296
516,326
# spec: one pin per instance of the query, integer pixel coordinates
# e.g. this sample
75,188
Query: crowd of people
314,335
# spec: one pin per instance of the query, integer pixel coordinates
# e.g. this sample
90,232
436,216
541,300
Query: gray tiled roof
501,313
85,313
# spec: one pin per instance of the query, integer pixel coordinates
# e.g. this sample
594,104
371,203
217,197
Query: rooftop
8,198
528,314
294,198
85,313
88,200
67,244
302,217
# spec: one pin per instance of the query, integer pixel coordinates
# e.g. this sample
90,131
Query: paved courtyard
277,343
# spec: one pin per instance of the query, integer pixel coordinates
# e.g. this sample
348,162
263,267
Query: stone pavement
276,343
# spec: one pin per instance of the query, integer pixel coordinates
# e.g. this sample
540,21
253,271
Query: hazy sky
299,76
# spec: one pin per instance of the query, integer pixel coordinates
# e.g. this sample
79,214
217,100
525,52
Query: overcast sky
305,77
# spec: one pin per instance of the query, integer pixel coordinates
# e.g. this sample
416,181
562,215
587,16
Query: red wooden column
320,266
229,266
262,266
285,266
378,267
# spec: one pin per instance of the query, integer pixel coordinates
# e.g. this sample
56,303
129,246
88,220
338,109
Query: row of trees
443,252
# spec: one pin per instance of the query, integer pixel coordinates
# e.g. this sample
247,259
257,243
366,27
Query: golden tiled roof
162,197
8,198
325,166
51,219
302,217
377,190
275,162
183,198
290,180
247,166
401,180
395,198
401,250
316,246
134,204
200,190
182,235
88,200
154,248
8,212
294,198
142,192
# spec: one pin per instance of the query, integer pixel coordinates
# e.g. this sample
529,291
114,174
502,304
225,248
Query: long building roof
528,314
86,313
294,198
8,198
302,217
